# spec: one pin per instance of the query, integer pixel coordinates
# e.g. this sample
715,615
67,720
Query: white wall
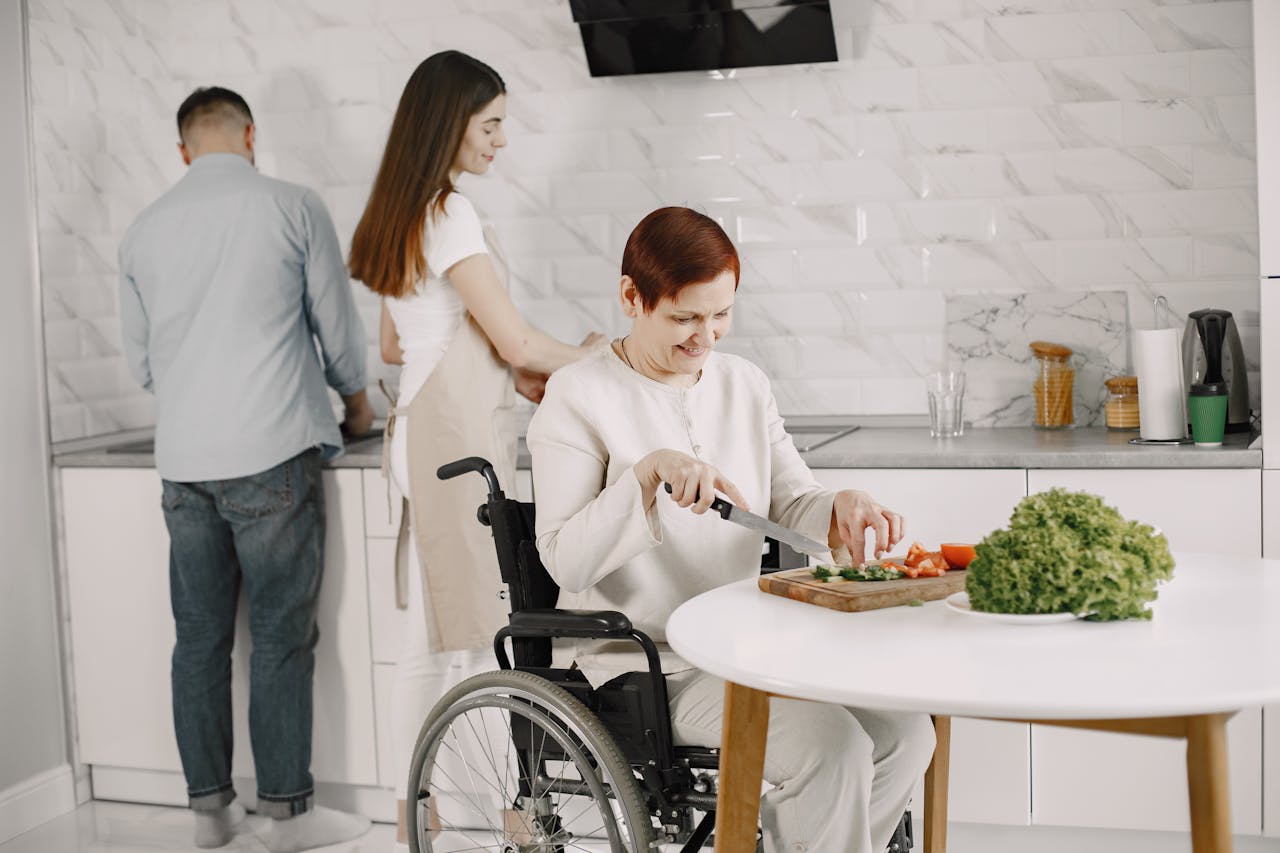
32,726
1017,150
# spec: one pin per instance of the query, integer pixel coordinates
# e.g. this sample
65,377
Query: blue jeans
266,530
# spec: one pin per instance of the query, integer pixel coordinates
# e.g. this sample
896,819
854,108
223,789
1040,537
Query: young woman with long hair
448,318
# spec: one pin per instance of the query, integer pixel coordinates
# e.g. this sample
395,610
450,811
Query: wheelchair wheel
509,762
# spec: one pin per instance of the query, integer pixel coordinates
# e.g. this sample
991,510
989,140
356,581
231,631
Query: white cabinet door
117,555
1269,342
1271,713
383,680
1216,510
1127,781
382,505
990,762
122,630
1271,771
387,622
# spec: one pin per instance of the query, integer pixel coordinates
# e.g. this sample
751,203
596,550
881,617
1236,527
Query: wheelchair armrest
569,623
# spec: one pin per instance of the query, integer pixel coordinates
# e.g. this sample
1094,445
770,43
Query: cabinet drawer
382,504
386,621
383,679
1216,510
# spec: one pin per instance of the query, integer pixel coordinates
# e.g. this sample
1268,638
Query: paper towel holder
1160,308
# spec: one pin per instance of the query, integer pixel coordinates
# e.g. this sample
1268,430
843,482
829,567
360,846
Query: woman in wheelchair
661,406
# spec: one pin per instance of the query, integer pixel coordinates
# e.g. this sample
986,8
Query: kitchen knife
750,520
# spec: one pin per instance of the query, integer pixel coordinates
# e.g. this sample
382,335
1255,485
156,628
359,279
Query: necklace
622,348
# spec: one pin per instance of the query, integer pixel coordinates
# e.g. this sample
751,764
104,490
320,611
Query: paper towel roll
1162,394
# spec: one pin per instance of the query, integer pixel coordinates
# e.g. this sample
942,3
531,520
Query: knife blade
750,520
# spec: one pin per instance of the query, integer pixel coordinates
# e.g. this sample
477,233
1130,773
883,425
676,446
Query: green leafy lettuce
1068,552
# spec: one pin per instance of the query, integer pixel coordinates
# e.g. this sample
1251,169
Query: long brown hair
442,94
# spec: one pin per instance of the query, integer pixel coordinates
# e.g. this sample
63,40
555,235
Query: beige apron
466,408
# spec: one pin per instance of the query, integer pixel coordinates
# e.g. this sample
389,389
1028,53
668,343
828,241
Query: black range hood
648,36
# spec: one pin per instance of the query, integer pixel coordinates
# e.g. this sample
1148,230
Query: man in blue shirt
237,312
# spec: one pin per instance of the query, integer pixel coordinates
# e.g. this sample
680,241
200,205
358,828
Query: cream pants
841,777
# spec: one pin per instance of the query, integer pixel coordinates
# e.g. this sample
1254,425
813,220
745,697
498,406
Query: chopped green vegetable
915,602
873,572
1068,552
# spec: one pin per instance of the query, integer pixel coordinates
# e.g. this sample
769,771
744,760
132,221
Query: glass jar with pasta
1052,389
1122,403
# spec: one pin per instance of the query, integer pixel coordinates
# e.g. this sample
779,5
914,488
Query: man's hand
851,514
530,384
594,341
693,483
359,414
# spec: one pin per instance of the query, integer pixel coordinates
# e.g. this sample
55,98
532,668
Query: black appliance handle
1211,337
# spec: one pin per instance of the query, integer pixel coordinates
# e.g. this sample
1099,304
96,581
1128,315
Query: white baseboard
33,801
165,788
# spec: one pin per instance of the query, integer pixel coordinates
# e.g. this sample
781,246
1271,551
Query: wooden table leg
746,727
935,789
1208,783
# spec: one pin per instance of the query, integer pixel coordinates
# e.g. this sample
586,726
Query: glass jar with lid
1122,403
1052,388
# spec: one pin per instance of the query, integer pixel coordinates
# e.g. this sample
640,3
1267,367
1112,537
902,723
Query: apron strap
402,535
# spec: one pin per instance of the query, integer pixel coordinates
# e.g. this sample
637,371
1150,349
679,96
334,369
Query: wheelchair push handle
473,463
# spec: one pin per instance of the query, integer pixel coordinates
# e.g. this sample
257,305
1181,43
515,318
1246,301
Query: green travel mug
1207,405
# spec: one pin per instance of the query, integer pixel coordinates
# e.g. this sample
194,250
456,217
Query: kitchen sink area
812,436
142,445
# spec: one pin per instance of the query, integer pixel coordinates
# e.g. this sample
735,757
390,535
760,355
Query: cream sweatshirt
598,418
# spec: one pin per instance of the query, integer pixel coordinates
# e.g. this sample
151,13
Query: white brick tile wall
959,148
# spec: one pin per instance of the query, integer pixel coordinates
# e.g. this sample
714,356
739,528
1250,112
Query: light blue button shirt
236,311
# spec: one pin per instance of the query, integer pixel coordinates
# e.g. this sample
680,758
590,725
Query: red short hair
674,247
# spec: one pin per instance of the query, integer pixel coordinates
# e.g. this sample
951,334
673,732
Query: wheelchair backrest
528,583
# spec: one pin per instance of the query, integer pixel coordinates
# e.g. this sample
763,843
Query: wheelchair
531,758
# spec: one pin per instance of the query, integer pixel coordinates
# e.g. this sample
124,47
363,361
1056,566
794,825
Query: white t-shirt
598,418
427,319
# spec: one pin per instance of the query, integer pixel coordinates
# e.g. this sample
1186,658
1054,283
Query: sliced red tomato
958,555
932,566
907,571
915,554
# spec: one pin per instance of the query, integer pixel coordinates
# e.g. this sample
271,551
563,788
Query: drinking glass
946,403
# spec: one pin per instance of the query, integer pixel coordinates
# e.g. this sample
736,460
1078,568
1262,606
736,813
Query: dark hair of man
442,95
674,247
211,102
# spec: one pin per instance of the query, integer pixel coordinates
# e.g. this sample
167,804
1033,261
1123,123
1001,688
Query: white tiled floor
103,827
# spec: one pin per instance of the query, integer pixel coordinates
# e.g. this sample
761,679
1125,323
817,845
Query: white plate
959,602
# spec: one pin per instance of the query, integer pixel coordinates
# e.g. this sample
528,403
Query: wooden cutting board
856,596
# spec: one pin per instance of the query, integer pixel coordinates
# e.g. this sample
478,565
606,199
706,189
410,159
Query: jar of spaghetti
1052,386
1122,403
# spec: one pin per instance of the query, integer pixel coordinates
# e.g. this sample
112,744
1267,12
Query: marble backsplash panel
990,335
974,150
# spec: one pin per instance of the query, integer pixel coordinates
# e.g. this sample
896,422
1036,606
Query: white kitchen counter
870,447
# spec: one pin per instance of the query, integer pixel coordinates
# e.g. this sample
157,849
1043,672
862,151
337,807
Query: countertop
880,443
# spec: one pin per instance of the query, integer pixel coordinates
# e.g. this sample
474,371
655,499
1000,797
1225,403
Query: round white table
1178,675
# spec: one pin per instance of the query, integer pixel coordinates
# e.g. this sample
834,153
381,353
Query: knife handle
721,506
